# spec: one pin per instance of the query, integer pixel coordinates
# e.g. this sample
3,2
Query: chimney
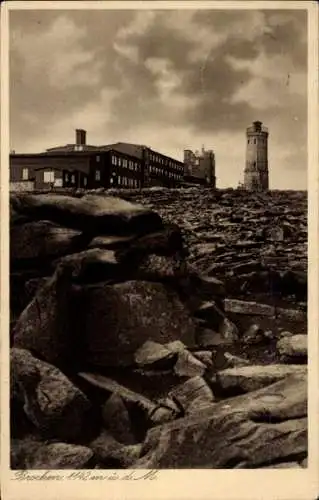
80,137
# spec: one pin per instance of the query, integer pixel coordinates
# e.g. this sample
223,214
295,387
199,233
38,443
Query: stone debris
293,347
159,328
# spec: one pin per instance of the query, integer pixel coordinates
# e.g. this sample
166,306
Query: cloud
172,80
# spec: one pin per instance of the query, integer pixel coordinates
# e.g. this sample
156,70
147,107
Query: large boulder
50,400
41,240
118,319
268,426
90,213
45,326
30,453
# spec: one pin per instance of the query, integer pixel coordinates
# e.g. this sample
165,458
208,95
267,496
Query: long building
81,165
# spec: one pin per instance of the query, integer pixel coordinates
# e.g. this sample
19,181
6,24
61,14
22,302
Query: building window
97,175
114,160
111,180
48,177
119,162
119,179
72,179
25,174
58,183
98,158
248,141
85,181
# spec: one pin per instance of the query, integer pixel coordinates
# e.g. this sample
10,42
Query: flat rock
295,346
50,400
92,213
253,377
246,307
42,240
152,352
250,431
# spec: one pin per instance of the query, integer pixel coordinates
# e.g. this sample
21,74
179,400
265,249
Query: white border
179,484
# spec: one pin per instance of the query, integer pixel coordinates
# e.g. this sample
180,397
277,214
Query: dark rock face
51,402
171,335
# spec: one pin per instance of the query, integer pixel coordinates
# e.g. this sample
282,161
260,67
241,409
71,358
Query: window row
164,161
163,171
124,181
123,162
261,140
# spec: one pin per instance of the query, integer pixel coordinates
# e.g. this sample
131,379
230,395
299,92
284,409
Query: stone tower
256,170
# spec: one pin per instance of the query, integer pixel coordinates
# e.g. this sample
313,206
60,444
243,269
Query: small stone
235,361
151,352
229,331
192,394
175,346
254,335
295,346
204,357
188,366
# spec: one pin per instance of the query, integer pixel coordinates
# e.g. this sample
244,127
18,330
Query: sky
171,80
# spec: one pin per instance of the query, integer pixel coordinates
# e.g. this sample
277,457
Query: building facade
200,167
256,176
85,166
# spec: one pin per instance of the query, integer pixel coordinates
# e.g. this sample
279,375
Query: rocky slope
158,329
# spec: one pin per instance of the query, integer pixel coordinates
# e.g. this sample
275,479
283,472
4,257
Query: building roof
130,149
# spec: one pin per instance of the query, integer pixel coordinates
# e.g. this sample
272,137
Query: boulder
35,455
90,213
294,347
42,240
116,419
245,307
143,412
116,320
247,432
250,378
92,265
112,454
50,400
46,326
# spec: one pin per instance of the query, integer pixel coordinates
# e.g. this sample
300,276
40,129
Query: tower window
248,141
254,141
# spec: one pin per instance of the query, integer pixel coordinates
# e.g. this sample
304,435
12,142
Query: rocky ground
159,329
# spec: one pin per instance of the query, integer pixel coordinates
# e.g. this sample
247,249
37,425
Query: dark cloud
207,72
